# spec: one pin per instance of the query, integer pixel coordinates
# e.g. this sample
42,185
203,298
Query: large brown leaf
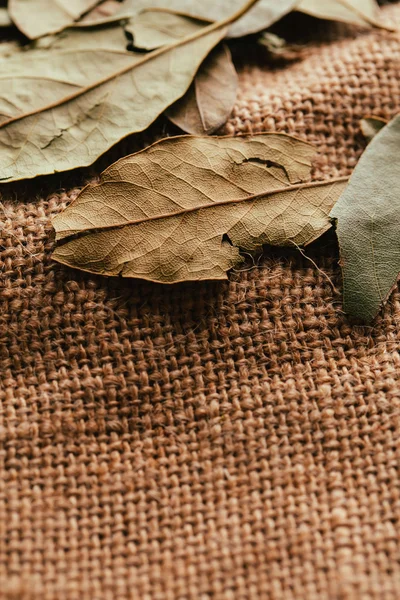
263,14
210,99
73,130
181,209
41,17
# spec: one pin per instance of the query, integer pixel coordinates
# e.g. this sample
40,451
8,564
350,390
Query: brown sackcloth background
212,441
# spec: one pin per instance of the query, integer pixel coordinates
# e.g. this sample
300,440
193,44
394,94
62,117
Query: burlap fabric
224,441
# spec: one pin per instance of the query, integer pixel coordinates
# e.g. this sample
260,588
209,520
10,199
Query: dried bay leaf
152,29
278,48
8,49
262,15
196,169
109,36
5,20
182,208
41,17
367,216
209,101
357,12
190,245
102,13
109,11
75,131
56,67
370,126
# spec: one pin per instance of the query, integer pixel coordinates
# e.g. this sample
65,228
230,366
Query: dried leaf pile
80,75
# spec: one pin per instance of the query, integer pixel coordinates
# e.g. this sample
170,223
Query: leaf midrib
288,188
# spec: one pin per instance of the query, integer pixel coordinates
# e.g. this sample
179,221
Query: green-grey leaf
368,217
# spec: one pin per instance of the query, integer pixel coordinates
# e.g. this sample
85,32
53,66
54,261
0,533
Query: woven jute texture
211,441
